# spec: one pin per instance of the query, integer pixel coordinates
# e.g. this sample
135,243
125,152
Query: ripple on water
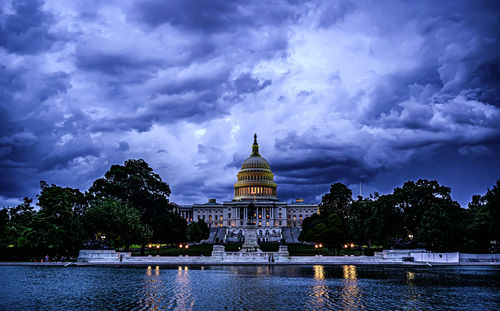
249,288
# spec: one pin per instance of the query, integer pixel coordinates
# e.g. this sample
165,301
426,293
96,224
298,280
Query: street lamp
186,246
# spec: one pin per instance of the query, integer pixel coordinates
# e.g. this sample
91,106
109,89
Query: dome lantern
255,147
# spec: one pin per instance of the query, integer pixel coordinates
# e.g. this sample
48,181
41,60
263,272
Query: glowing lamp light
315,245
150,245
180,245
187,246
158,246
352,245
320,245
345,245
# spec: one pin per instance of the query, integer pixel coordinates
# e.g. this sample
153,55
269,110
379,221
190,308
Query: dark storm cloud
114,64
26,29
308,161
370,91
203,106
245,83
209,16
195,14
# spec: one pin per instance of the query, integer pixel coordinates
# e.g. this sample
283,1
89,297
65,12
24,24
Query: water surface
318,287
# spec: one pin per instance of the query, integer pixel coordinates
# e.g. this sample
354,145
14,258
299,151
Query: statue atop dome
255,147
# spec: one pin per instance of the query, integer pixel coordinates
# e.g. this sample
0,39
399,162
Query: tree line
419,214
129,205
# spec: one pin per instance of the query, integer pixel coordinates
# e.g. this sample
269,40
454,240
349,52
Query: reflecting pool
317,287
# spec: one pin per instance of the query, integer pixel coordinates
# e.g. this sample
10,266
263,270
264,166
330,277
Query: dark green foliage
430,215
129,205
483,219
330,226
419,214
337,201
198,231
117,221
57,228
136,184
384,222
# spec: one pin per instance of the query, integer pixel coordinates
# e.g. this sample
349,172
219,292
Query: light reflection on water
319,299
183,293
152,290
319,287
351,296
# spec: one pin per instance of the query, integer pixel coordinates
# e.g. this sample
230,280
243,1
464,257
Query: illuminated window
220,217
260,223
210,217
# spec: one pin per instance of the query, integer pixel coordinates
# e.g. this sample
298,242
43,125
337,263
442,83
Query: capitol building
255,204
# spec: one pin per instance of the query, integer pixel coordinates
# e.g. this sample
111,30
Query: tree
136,184
57,228
337,201
117,221
19,218
483,217
429,214
330,226
197,231
360,212
5,239
492,205
384,222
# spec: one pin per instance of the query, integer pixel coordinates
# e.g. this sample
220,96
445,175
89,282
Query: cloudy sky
377,92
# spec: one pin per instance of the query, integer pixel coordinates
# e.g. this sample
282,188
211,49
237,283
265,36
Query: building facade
255,203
